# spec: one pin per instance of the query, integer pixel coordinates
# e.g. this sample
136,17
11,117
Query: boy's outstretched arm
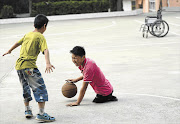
11,49
49,67
81,95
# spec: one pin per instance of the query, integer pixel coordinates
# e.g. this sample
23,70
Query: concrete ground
145,73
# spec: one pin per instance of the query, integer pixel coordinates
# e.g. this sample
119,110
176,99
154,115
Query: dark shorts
102,99
31,78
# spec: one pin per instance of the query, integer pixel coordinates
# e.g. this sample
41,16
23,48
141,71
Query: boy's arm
12,48
81,95
75,80
49,67
80,78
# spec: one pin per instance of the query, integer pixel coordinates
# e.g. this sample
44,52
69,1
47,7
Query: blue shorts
31,78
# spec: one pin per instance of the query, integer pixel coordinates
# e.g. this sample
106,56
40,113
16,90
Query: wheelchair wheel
160,28
150,30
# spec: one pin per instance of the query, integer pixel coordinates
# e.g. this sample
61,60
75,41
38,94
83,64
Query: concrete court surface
145,73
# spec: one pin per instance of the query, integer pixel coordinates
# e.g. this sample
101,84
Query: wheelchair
155,26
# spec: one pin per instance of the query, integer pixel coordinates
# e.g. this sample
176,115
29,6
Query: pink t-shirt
93,75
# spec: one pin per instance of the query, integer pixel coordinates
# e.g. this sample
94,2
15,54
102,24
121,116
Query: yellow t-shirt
31,45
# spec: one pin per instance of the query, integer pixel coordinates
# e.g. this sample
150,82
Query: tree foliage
6,12
19,6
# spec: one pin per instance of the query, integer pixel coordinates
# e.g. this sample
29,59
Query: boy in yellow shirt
30,77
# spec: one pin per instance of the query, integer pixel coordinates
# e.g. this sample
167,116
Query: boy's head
78,55
40,21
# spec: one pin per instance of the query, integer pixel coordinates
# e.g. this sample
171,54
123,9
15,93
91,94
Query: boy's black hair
40,20
78,51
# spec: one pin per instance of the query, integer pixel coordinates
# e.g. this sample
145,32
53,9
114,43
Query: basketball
69,90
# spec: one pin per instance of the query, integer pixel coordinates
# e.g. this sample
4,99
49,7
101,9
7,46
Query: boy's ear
84,57
44,25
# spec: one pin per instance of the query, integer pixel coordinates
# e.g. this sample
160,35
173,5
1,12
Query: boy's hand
12,48
8,52
74,80
73,104
71,80
49,68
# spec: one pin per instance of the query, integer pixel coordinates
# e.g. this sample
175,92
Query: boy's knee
41,95
27,99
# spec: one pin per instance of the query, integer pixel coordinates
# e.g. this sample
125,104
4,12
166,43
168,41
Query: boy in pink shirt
91,75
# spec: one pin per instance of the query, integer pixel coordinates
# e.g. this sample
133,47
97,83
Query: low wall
74,16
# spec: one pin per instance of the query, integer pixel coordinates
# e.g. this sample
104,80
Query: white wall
127,5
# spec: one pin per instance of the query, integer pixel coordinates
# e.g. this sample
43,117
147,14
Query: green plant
7,11
70,7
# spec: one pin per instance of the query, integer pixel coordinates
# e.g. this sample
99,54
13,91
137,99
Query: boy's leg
28,111
27,107
40,93
36,82
26,92
102,99
112,98
41,107
25,84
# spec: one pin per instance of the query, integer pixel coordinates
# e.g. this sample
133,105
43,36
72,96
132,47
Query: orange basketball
69,90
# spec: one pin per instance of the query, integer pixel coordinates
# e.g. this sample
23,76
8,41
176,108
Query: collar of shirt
81,67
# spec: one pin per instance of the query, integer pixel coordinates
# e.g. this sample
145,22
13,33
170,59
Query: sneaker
45,118
28,114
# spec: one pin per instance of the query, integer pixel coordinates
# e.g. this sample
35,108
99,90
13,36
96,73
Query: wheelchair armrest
151,17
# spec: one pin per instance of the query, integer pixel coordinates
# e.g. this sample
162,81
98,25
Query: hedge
37,1
6,12
19,6
113,5
69,7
